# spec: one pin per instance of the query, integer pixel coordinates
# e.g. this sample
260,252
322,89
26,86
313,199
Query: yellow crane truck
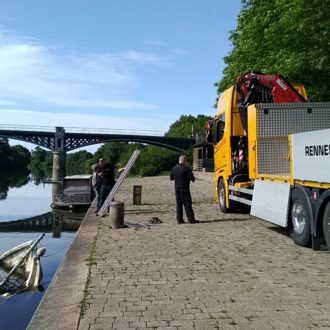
272,155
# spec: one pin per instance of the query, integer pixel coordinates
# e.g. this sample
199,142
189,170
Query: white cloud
35,74
87,121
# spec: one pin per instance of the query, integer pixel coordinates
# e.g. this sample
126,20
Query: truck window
220,129
214,131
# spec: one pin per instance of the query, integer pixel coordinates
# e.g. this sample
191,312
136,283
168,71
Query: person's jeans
105,191
98,198
183,199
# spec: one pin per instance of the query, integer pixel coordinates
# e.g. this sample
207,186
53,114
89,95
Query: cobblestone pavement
230,271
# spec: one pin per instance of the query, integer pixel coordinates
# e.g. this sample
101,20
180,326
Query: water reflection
55,221
25,212
21,198
25,303
13,179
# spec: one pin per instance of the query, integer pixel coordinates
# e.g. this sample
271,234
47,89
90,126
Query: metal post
116,217
137,194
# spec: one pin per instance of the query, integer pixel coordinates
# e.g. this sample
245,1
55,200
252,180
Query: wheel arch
225,181
304,193
303,190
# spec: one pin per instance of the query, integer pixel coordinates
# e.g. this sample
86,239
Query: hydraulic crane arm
255,87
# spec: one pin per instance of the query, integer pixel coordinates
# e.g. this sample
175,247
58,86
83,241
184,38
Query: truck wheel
300,216
326,225
222,197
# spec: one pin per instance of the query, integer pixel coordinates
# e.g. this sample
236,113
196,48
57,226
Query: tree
15,157
76,162
41,163
289,37
110,152
154,161
188,126
21,156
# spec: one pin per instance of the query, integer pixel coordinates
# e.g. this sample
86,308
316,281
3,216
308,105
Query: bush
148,171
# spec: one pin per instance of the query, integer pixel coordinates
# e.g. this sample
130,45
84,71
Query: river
25,201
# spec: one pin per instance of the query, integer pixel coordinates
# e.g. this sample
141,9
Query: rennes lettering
317,150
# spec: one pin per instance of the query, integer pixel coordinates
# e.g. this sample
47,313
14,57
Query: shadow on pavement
223,220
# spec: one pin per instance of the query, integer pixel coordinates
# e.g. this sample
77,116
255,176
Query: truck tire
222,197
300,217
326,225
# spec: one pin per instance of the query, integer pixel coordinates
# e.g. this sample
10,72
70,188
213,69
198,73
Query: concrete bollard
116,216
137,193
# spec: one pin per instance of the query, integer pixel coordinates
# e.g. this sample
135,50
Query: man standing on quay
182,175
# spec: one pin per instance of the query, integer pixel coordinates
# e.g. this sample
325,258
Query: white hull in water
21,267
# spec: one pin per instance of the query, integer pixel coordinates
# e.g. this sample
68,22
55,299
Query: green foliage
289,37
111,152
188,126
76,163
154,160
13,157
148,171
21,156
12,178
41,163
116,153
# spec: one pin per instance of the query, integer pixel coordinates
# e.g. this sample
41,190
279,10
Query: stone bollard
137,193
116,216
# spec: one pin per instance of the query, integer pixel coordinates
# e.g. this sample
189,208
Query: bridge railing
81,130
113,131
31,128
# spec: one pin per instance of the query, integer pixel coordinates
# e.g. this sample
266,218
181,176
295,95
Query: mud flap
270,201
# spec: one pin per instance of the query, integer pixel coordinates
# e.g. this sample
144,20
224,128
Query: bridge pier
59,154
58,173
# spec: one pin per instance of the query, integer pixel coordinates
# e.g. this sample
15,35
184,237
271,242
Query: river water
26,201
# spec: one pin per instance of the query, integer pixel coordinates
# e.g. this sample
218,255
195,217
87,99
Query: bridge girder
78,140
42,139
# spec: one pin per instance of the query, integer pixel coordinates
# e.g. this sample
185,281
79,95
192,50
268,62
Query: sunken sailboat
20,267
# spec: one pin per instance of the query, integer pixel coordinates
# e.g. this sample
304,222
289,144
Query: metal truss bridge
67,139
55,221
40,222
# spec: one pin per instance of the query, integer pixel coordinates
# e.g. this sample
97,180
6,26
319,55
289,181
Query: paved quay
230,271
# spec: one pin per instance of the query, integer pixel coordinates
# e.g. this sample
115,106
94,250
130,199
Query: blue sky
118,64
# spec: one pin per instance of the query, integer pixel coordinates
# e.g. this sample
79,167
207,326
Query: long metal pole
119,181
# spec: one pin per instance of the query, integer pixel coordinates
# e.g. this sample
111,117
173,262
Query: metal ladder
119,181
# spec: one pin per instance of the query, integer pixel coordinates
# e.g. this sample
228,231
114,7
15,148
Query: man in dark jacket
108,180
182,175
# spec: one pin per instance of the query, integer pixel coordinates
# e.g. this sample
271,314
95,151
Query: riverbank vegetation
13,157
288,37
